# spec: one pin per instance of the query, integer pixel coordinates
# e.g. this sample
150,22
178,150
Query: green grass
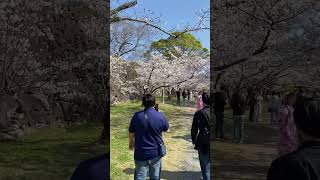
50,154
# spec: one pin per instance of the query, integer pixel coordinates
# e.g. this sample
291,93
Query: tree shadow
169,175
51,157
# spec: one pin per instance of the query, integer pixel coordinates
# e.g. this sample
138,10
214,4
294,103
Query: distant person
219,103
184,97
304,163
251,103
300,96
156,107
274,107
200,134
199,103
288,133
173,91
238,105
93,169
145,138
258,107
178,97
188,96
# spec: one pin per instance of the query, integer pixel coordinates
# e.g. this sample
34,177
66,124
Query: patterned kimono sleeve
283,118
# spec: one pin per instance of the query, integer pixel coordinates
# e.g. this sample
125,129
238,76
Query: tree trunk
104,138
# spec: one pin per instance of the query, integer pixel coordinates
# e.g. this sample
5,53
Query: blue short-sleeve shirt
146,141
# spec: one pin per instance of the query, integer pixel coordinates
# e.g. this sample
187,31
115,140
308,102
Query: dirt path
250,160
181,162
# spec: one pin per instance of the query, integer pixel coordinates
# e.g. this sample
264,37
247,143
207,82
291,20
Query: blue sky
176,12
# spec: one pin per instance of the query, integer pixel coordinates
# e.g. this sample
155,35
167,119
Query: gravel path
181,162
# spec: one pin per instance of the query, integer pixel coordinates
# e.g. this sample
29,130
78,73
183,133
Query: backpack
203,137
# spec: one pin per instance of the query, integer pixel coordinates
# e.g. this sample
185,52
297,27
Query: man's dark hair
307,116
206,98
148,100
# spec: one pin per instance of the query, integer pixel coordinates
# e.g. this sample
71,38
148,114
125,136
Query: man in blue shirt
93,169
145,136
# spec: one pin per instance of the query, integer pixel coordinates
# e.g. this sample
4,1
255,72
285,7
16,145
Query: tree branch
123,7
260,50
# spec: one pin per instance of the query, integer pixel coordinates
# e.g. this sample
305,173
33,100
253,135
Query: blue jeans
184,102
152,166
205,165
238,127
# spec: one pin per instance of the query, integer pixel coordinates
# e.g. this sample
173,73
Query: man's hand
131,141
131,147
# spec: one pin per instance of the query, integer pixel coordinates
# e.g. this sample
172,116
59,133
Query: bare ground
247,161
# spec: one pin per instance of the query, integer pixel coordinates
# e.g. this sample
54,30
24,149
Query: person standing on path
199,101
304,163
145,138
300,96
200,135
188,96
287,128
252,102
238,105
184,97
258,107
274,107
178,97
219,103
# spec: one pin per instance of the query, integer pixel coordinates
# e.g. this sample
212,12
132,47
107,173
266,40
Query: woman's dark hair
286,98
206,98
148,100
307,116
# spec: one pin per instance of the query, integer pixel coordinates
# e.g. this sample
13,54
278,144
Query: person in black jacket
184,96
238,105
178,97
93,169
251,103
304,163
200,134
219,103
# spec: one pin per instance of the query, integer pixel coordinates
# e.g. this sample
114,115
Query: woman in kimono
199,103
288,134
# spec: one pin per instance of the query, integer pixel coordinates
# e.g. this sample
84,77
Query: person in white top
258,107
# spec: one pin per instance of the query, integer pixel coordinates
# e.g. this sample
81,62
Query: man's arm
131,141
166,126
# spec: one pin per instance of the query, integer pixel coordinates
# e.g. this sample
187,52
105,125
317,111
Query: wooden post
163,95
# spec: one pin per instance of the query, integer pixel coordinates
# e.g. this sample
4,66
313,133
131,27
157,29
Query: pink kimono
288,133
199,102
